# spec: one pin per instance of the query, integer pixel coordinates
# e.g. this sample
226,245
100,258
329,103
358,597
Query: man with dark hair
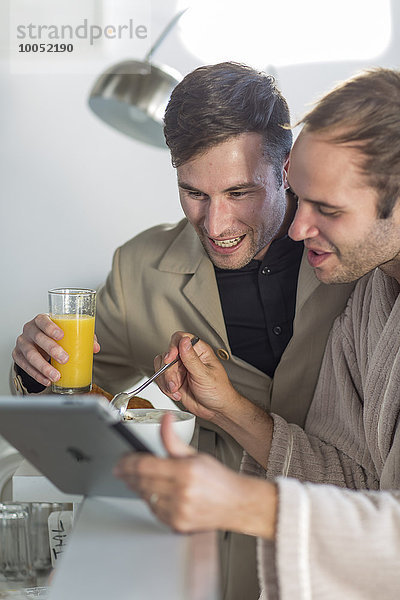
228,271
329,542
223,101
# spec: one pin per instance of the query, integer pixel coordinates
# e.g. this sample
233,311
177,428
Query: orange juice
78,342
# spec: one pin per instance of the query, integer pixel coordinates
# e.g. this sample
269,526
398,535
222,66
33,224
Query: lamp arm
163,35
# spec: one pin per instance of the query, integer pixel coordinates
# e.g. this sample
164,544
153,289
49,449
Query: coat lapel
201,290
307,282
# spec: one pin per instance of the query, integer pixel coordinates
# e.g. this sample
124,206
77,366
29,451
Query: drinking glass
39,535
73,310
15,558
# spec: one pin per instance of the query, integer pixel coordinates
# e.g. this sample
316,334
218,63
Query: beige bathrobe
334,543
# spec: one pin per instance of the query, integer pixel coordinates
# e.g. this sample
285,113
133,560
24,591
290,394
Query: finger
32,361
149,485
126,469
173,349
44,322
172,379
175,447
96,345
161,506
135,464
38,376
175,382
145,474
49,346
190,358
131,481
158,362
42,332
38,352
44,377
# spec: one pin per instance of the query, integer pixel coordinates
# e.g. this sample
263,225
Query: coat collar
185,253
186,256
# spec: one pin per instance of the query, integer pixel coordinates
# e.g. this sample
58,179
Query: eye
237,194
328,212
195,194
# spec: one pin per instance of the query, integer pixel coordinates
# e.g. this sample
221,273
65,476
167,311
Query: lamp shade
132,96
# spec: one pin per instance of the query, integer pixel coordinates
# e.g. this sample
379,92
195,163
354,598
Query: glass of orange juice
73,310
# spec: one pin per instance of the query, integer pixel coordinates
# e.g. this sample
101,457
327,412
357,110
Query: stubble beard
378,247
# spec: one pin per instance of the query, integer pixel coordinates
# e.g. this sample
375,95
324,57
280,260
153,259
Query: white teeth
227,243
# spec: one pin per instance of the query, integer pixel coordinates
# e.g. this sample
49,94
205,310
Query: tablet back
75,441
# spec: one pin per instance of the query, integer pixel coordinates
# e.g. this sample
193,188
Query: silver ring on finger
153,499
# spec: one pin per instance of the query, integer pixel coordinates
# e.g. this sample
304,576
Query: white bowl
146,424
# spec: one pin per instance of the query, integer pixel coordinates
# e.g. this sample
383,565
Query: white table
118,550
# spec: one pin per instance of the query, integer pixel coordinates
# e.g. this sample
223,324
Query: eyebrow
317,202
187,186
233,188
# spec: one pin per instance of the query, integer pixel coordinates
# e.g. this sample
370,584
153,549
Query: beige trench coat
162,281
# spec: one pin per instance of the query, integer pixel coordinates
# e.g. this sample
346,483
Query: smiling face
230,195
337,212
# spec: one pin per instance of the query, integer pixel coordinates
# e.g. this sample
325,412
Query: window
262,32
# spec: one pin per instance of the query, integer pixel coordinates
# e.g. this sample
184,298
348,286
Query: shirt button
266,271
223,354
277,330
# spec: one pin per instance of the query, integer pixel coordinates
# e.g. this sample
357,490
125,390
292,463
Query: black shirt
258,302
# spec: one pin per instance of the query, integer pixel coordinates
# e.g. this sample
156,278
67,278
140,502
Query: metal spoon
120,401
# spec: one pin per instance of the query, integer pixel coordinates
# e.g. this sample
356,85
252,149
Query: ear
285,173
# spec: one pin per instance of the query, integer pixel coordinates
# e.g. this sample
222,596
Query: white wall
72,189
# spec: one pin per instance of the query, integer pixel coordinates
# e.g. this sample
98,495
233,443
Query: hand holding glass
73,310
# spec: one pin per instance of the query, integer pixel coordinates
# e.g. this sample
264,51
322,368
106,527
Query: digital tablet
75,441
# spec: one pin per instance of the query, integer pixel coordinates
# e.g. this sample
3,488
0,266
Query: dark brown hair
365,112
216,102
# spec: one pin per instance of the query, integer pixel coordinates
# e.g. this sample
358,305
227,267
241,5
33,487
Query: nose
303,225
218,219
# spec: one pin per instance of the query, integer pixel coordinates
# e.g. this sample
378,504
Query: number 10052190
45,48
